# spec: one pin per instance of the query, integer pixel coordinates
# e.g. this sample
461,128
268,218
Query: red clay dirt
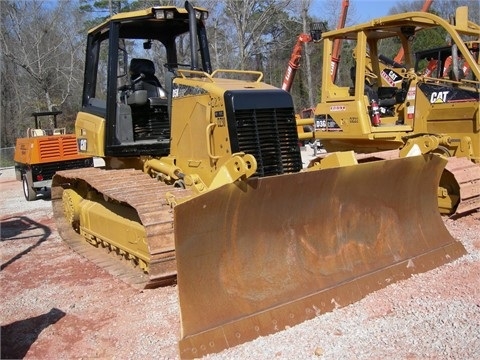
56,304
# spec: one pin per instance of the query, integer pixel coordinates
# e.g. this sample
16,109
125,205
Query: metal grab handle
258,74
209,131
202,74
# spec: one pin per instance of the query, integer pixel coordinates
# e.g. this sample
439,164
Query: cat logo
439,97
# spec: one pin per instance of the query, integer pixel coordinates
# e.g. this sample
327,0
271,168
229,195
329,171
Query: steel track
147,196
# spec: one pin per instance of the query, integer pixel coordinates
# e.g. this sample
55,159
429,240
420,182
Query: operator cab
131,63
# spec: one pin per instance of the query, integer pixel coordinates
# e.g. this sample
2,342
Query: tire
29,192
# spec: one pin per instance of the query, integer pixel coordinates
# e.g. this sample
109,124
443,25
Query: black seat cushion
145,67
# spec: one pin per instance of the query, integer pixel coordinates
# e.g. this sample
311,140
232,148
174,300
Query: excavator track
126,189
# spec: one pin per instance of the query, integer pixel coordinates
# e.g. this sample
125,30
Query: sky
365,10
370,9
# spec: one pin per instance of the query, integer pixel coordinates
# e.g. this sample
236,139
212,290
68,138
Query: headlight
159,14
164,14
201,15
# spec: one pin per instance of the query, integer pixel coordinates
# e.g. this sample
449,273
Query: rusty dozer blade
254,258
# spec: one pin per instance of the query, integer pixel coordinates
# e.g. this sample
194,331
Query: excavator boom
337,46
401,52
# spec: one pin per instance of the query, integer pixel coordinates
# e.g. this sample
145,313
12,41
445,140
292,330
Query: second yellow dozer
427,104
203,185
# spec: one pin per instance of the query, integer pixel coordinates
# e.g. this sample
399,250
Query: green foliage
100,10
430,38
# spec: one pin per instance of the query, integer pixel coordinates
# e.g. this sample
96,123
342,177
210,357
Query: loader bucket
256,257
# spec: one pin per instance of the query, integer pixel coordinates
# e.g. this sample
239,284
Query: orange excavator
314,36
337,46
401,52
304,126
294,63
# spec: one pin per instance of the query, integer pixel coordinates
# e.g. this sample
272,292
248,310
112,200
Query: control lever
134,81
127,89
139,78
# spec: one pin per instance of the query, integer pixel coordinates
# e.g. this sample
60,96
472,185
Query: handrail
185,72
209,129
250,72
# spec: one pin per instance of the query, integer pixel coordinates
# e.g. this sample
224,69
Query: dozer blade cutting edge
254,258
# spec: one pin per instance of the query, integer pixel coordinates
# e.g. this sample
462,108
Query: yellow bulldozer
204,185
427,104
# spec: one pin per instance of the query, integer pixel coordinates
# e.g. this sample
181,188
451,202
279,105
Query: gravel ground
55,304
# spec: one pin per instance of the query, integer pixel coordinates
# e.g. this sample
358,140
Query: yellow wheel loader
203,185
428,104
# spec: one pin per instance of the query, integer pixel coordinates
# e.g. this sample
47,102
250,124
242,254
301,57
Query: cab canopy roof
393,25
147,23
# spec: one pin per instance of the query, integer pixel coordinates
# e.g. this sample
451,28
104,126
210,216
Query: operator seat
150,82
385,96
149,110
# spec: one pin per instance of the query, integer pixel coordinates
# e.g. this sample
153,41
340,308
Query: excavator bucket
254,258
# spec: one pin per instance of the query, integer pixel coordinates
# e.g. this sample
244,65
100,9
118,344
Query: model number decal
338,108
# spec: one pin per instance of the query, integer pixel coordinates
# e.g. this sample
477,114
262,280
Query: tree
42,57
251,22
99,10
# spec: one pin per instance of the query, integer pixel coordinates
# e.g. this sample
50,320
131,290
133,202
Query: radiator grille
271,136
